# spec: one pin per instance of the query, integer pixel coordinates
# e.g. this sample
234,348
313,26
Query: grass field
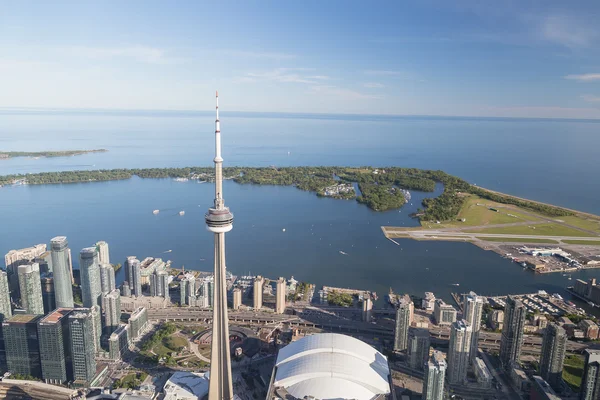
573,371
537,230
518,240
588,242
175,342
582,222
476,215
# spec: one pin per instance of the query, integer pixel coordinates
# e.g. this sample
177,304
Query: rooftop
23,319
184,385
55,315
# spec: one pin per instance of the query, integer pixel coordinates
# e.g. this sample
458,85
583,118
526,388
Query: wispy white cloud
282,75
330,90
380,72
591,98
143,54
568,31
258,54
585,77
373,85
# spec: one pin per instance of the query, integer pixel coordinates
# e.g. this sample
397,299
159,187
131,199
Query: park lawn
175,342
518,240
573,370
588,242
477,215
161,350
540,230
582,222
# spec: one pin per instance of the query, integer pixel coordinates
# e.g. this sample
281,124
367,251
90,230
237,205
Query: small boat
168,251
155,212
181,212
283,230
455,284
343,252
591,304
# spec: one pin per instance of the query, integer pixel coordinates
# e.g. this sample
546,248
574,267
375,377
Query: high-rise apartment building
138,323
258,292
31,289
418,348
187,290
512,332
55,346
107,278
22,346
280,293
433,381
14,258
48,292
590,383
81,332
103,256
96,313
133,275
458,351
444,314
402,325
5,309
125,289
554,347
237,298
367,309
473,311
91,288
118,342
63,279
111,309
159,284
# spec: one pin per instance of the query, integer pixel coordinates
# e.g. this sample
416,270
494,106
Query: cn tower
219,220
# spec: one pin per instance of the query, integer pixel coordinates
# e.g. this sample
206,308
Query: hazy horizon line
261,114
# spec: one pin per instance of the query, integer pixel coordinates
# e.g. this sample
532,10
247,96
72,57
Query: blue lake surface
551,161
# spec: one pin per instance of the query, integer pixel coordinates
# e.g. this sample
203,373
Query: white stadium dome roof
332,366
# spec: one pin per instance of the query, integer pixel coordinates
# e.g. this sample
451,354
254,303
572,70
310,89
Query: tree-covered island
381,188
64,153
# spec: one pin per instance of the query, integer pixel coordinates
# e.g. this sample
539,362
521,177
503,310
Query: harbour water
544,160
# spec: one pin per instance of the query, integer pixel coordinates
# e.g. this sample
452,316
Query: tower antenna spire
219,220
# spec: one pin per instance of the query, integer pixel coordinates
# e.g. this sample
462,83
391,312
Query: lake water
551,161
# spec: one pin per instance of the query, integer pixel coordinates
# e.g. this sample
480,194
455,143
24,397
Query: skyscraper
90,277
96,314
63,290
433,381
133,275
14,258
280,293
458,351
219,220
48,292
402,324
512,332
187,290
159,284
111,309
22,346
590,383
81,332
259,281
107,278
55,348
118,342
138,323
367,311
31,289
554,347
103,256
473,309
237,298
5,310
418,348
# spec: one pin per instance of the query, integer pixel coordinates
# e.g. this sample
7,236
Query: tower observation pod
219,220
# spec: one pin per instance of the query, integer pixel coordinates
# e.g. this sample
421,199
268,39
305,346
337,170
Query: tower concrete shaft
219,221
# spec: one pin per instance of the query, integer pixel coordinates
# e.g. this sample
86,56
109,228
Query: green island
59,153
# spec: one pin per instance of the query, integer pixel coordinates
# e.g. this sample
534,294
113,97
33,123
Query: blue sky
471,58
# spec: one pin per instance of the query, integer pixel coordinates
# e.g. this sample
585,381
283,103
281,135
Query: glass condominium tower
63,290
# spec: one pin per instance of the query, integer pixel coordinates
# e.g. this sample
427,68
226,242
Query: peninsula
62,153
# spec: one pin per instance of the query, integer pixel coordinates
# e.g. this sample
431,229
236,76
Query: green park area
573,371
582,221
130,381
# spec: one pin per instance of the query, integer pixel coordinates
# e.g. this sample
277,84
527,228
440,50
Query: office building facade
443,313
55,348
48,292
22,345
418,348
81,332
512,334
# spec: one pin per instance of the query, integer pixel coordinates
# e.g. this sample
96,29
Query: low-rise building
496,319
186,385
541,390
589,328
482,373
428,302
520,379
444,314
